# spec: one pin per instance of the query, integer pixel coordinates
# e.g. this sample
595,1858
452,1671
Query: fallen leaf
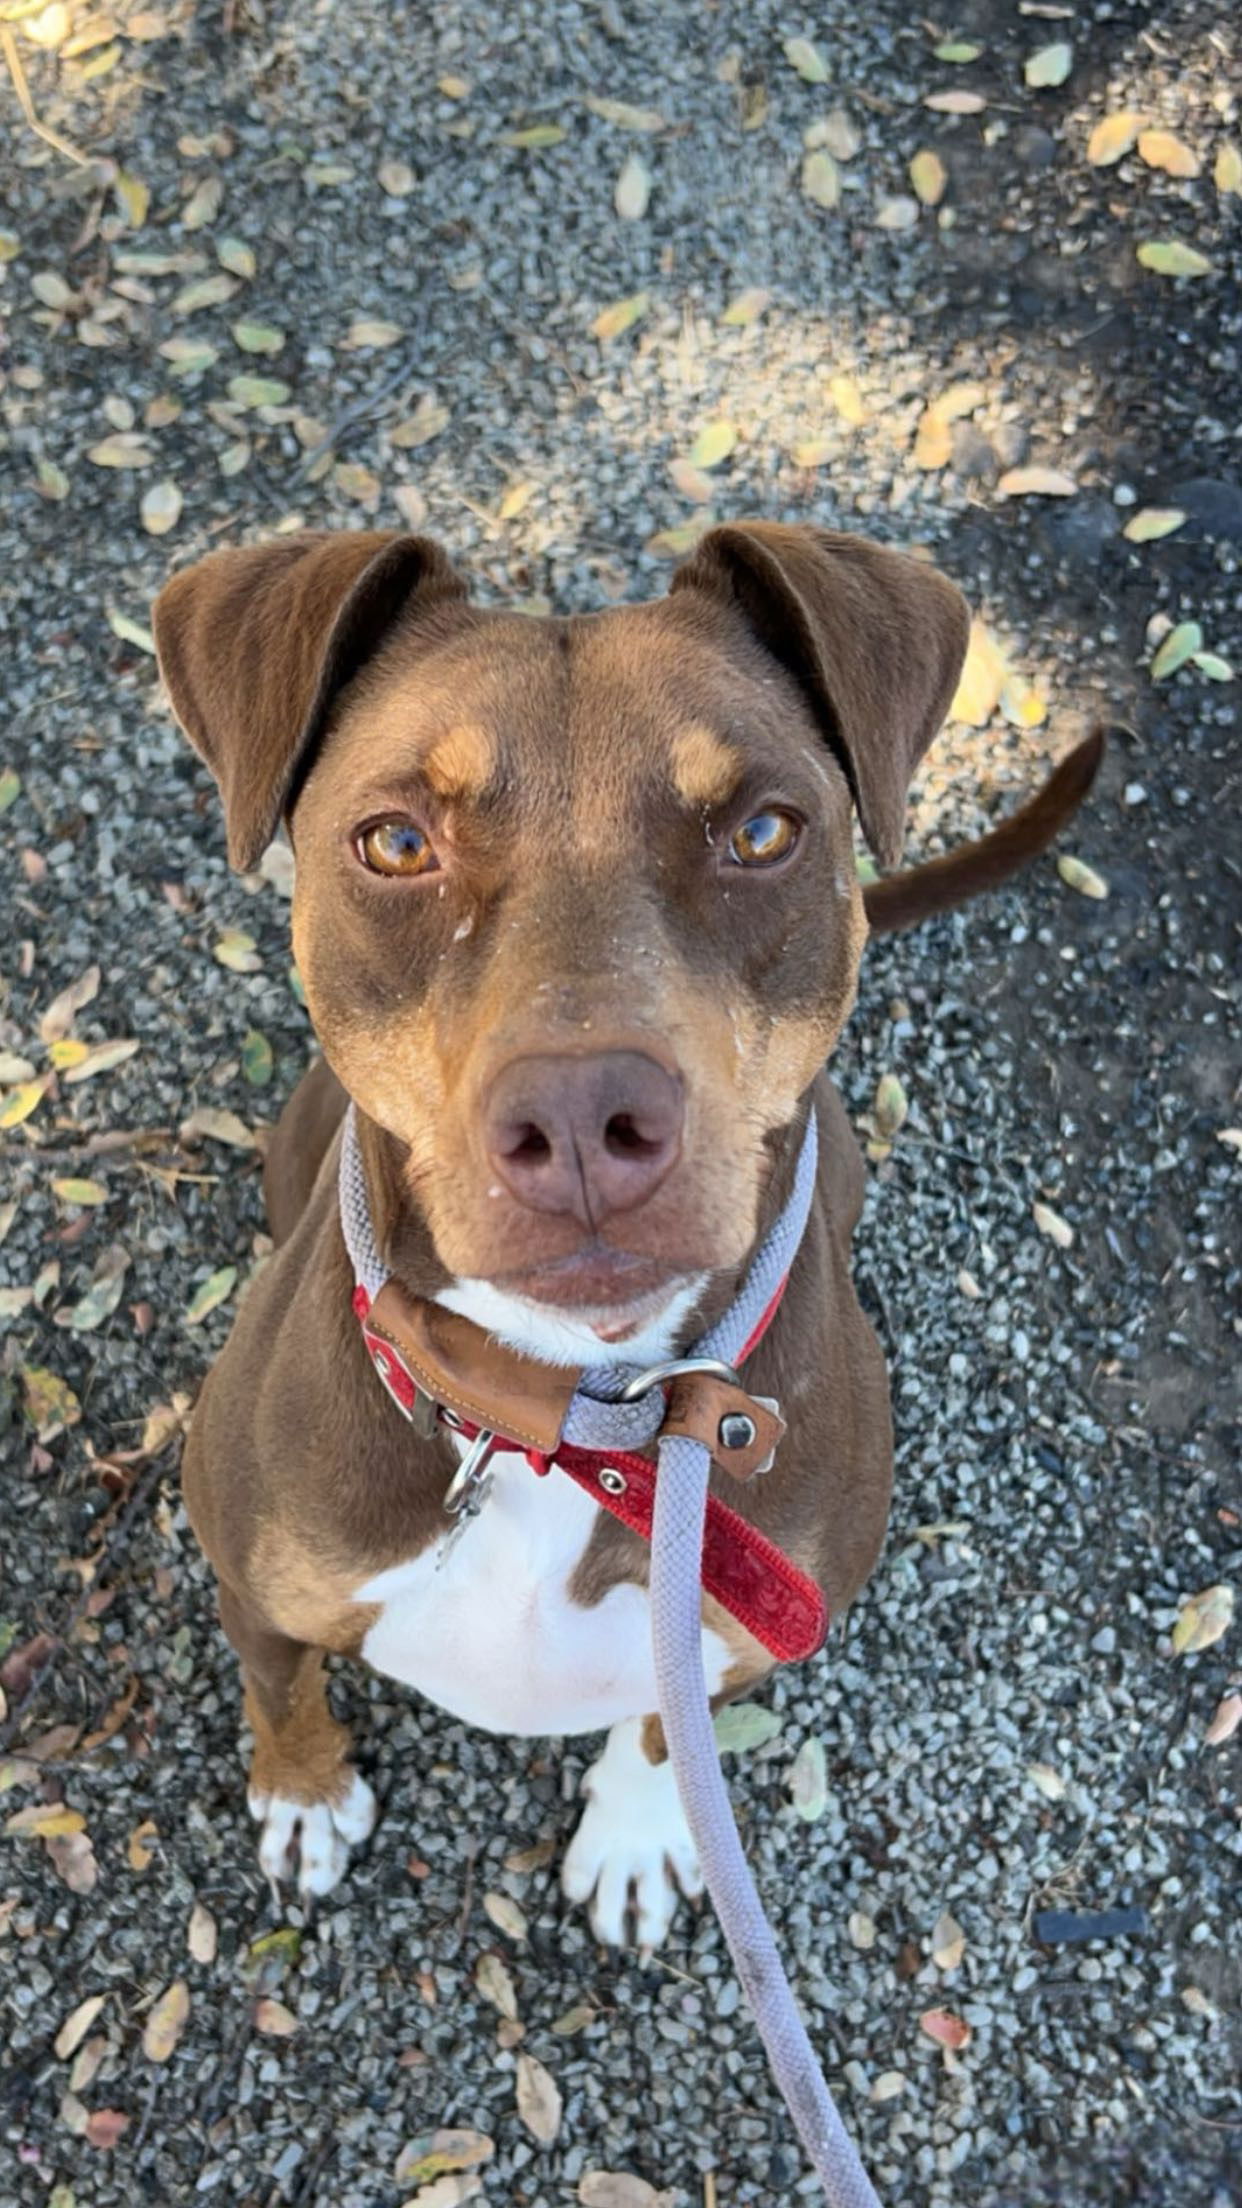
218,1126
1048,1780
166,2022
957,50
1203,1620
1226,1721
741,1726
574,2020
691,482
945,2028
257,1062
948,1942
539,2101
804,56
816,452
505,1915
160,510
85,1194
617,2189
206,291
862,1930
447,2192
72,1857
131,632
1151,523
1169,257
210,1293
838,132
57,1021
1050,1223
1050,66
674,543
189,356
237,257
1036,482
102,1296
1227,168
1213,666
621,316
202,1934
821,179
929,176
1113,137
257,391
23,1100
436,2153
104,2127
44,1821
632,195
10,788
535,139
430,416
273,2019
888,2085
495,1982
1076,874
138,1855
713,444
848,400
258,337
897,213
645,119
746,308
889,1107
367,336
808,1781
1161,150
204,203
1179,645
76,2026
955,102
515,501
129,449
236,950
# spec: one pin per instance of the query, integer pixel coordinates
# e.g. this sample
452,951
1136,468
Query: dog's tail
901,900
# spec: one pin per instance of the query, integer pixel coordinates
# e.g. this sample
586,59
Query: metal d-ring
656,1374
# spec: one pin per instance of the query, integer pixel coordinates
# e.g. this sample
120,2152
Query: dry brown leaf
945,2028
57,1021
929,177
76,2026
202,1934
691,482
273,2019
1203,1620
848,400
955,103
1050,1223
136,1849
218,1126
166,2022
821,179
494,1980
104,2127
1048,1780
1226,1721
982,679
632,195
1227,168
73,1860
617,2189
505,1915
161,508
539,2102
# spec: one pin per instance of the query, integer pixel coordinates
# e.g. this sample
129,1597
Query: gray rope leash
597,1419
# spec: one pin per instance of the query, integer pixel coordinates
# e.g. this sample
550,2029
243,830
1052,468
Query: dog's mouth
612,1292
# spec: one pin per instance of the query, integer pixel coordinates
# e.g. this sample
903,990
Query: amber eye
396,847
763,839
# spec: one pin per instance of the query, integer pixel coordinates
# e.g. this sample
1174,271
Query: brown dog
579,922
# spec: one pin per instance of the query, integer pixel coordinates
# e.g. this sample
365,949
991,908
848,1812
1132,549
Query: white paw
313,1838
632,1851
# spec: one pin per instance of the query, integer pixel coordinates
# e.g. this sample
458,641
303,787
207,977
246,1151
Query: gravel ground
1006,1727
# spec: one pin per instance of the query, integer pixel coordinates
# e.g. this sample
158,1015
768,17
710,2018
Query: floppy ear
876,639
254,644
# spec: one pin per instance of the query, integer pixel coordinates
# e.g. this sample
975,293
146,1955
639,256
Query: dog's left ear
875,638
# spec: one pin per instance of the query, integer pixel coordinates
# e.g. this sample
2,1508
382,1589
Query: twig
147,2114
467,1899
360,411
709,2189
49,136
113,1549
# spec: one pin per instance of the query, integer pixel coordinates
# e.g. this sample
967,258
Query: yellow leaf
929,176
1036,482
515,501
1152,522
1227,168
23,1100
535,139
454,88
161,508
430,416
166,2022
134,196
816,452
1169,257
982,679
1113,137
612,321
746,308
50,1402
804,56
85,1193
1049,67
45,1821
1076,874
673,543
1179,645
1203,1620
1161,150
821,179
371,336
714,443
848,400
137,1853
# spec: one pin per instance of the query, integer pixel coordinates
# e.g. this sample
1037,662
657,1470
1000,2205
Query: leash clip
472,1478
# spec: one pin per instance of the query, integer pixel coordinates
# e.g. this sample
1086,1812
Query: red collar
746,1573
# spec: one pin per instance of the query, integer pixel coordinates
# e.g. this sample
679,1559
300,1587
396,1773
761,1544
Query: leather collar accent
441,1369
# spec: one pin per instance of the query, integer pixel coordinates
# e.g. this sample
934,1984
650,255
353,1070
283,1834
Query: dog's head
576,911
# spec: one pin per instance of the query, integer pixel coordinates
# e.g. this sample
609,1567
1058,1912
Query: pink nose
584,1136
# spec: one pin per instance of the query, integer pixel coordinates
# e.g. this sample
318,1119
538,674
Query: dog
579,921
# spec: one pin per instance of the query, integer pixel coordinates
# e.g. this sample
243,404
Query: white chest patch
491,1633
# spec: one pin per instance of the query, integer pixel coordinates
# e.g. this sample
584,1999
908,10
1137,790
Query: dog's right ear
255,643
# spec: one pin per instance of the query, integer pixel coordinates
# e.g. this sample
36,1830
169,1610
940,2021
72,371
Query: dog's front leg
311,1803
632,1849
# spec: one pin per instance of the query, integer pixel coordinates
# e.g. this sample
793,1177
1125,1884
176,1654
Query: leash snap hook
470,1479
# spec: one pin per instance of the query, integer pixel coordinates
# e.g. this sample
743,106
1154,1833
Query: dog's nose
587,1136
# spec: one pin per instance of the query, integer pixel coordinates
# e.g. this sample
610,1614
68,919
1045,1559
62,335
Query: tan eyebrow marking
706,769
460,763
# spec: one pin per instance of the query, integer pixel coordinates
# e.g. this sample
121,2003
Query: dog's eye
764,839
396,847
